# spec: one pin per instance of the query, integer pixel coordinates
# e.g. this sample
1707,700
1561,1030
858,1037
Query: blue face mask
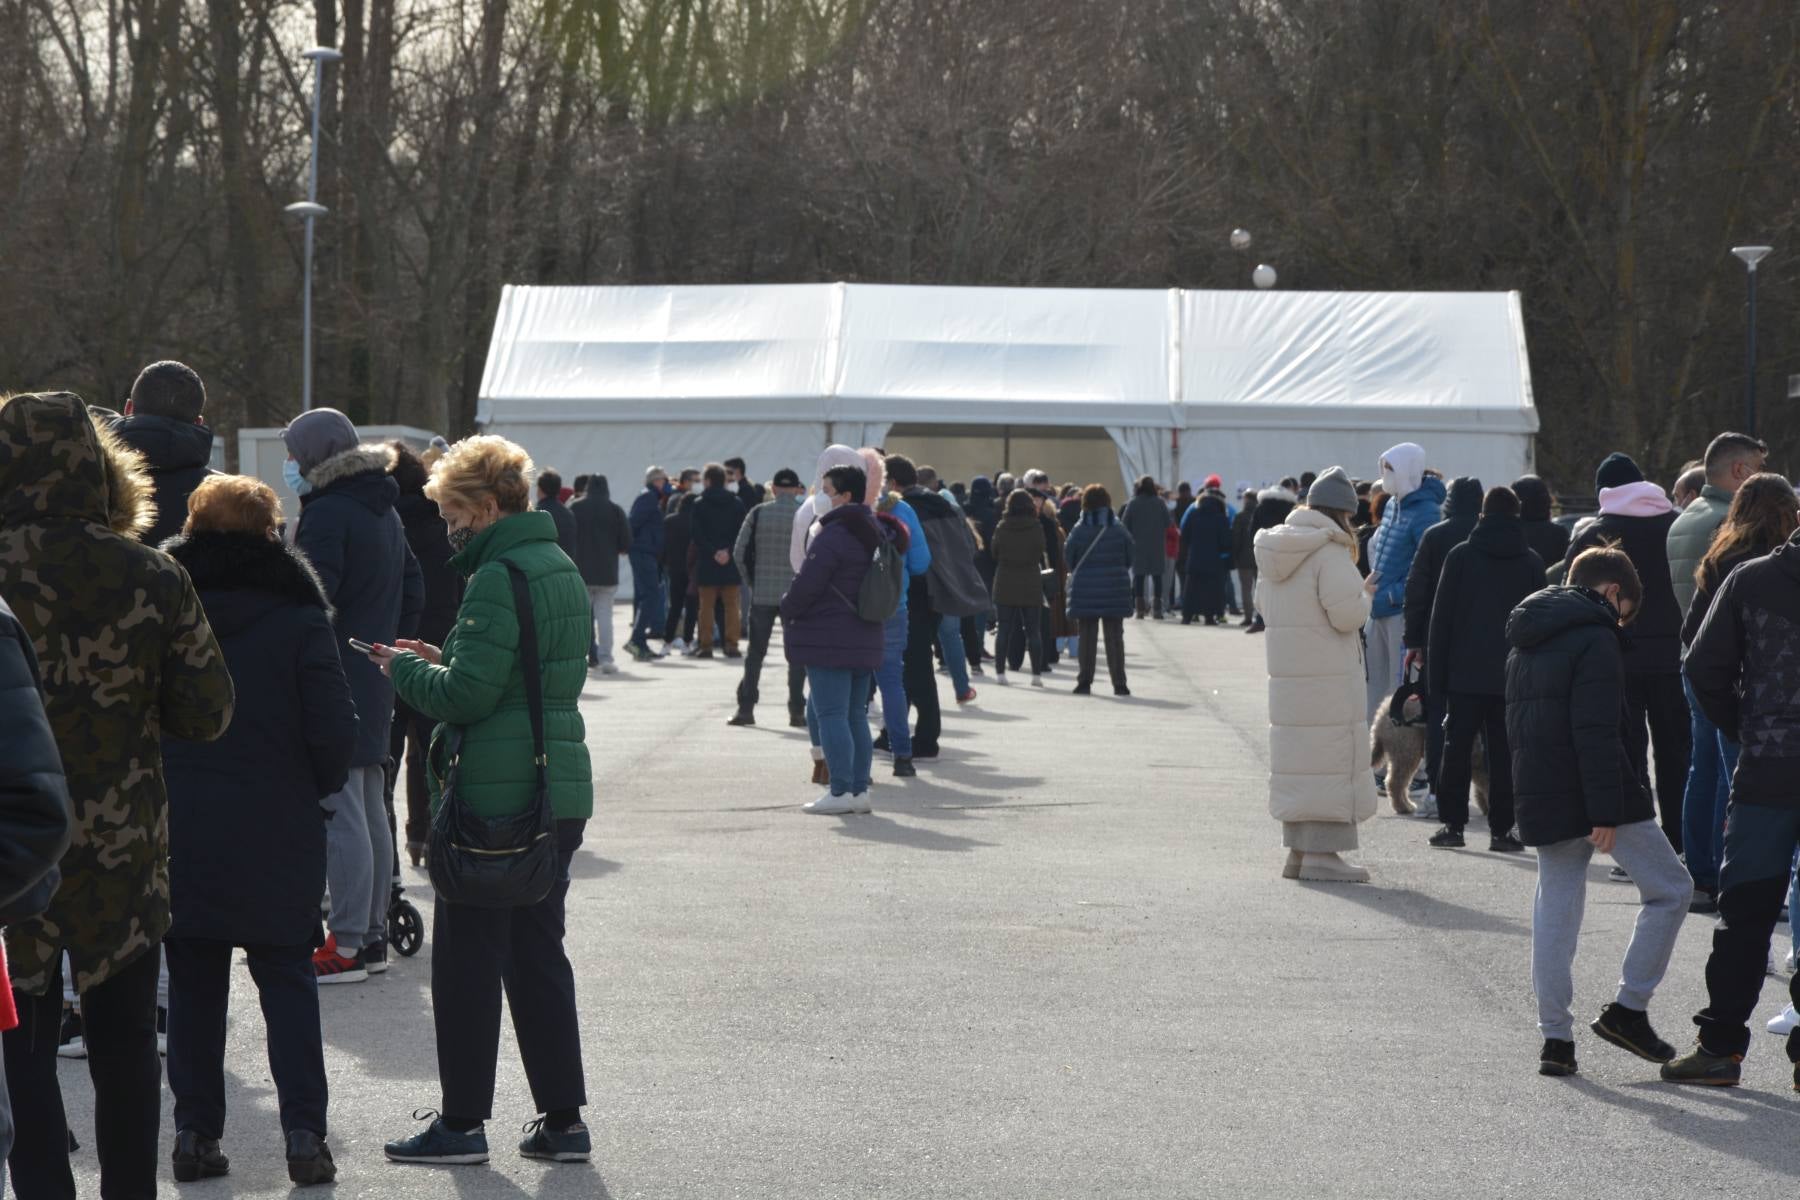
297,484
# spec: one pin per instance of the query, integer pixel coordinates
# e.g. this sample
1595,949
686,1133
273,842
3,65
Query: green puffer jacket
1690,537
481,688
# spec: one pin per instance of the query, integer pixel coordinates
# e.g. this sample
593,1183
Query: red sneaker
966,697
331,967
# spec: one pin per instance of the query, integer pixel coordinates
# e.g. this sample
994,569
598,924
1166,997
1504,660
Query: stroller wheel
406,929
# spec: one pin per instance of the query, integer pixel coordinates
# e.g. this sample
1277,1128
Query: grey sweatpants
359,860
1384,657
1663,886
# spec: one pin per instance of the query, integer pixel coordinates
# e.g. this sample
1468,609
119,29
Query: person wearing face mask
351,532
1575,793
288,746
474,683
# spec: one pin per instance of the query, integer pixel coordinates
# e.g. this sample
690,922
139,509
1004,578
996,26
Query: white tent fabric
1252,385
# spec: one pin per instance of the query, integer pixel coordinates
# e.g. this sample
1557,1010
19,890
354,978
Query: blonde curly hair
479,467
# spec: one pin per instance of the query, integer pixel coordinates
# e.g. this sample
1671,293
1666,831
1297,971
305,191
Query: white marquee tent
1252,385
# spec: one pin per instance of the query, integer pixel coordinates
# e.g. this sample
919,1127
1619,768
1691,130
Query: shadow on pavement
591,866
877,828
1420,909
1752,1126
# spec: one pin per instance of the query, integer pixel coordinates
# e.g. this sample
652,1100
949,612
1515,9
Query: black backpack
883,585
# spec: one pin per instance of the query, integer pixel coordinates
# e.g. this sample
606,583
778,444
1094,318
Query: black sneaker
703,653
1705,902
903,767
925,752
309,1158
375,957
1447,838
1505,843
734,654
881,742
743,716
797,720
440,1145
69,1042
1557,1058
198,1157
1121,691
1629,1029
1083,689
1705,1068
556,1145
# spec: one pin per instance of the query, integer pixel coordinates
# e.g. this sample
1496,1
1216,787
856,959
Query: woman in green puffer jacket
483,487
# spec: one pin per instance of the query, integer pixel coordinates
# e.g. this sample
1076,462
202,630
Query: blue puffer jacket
1099,554
1392,548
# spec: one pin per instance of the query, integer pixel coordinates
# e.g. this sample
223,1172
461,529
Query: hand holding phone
361,647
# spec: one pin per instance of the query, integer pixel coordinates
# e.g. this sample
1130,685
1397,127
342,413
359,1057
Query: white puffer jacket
1310,595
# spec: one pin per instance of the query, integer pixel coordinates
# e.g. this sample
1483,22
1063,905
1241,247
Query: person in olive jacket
1017,546
474,682
1483,580
1576,794
288,747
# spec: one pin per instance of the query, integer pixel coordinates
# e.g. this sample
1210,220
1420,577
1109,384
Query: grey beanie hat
1332,489
312,437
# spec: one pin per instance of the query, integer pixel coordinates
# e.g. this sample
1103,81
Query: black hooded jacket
1462,508
1484,579
1565,707
1655,647
179,454
1550,540
1745,673
602,534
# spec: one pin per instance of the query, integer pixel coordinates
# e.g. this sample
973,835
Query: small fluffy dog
1402,747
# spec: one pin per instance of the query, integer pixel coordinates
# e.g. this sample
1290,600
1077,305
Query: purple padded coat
819,610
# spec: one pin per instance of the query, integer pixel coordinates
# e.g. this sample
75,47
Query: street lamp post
310,210
1751,255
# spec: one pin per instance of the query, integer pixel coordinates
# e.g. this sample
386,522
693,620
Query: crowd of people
1626,681
185,668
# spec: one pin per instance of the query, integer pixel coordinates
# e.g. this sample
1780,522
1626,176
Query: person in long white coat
1314,602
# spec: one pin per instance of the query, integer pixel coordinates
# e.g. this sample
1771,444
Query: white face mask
731,486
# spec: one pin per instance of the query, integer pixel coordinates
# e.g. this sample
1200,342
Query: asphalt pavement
1060,963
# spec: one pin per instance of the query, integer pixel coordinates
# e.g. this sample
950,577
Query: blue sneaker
440,1144
556,1145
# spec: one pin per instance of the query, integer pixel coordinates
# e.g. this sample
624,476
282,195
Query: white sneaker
829,805
609,668
1619,875
1786,1023
860,803
1789,964
1037,681
678,646
1426,809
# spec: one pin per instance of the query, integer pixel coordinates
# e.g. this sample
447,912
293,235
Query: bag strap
1076,570
528,662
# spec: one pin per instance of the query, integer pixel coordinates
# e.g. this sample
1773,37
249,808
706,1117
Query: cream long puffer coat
1311,596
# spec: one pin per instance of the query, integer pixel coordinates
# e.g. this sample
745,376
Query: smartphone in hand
360,647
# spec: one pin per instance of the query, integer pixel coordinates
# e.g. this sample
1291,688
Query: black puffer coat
429,539
34,797
602,534
1550,540
1462,508
718,515
1484,580
178,455
1565,704
1746,674
246,833
1655,646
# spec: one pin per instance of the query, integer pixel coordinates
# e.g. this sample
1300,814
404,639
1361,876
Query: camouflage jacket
127,658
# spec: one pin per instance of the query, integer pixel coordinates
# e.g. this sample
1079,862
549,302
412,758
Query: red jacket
1172,541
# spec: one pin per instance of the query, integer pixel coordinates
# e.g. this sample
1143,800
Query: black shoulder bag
500,862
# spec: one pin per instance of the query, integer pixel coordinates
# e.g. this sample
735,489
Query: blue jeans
890,677
1714,757
648,603
956,657
839,707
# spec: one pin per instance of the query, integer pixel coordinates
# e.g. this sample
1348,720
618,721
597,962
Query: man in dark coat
429,540
1483,580
1146,519
922,620
1577,796
649,600
1461,510
163,422
549,489
602,536
1550,540
1206,557
717,517
288,747
1243,553
1745,674
738,483
1272,508
355,540
1637,515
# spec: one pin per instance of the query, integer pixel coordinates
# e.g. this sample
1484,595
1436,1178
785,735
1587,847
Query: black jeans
1659,702
1465,716
409,739
1115,649
476,952
118,1019
1142,582
762,627
920,675
1434,742
1753,884
684,610
199,989
1021,623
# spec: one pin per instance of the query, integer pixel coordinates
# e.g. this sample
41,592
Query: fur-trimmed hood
244,562
1277,493
358,460
57,461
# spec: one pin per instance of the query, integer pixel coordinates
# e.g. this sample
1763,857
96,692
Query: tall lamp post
1751,256
310,210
